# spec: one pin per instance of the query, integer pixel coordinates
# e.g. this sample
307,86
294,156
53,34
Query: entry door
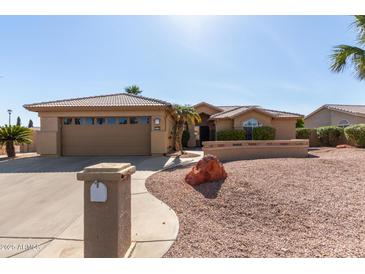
204,134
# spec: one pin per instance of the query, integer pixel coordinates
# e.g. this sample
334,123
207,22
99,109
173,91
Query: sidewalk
155,226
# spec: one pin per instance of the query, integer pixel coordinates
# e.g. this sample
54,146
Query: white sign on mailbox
98,192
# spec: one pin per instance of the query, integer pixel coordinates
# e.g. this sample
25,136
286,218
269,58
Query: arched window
343,123
249,125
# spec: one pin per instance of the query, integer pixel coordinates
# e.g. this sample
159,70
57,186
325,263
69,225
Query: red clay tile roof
102,101
235,111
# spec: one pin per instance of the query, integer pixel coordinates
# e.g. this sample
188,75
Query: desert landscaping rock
208,169
311,207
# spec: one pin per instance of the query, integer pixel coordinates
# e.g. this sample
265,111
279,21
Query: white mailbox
98,192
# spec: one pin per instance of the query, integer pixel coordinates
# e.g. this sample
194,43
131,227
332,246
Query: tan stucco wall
336,117
33,146
49,137
223,124
239,120
326,117
319,119
243,150
285,128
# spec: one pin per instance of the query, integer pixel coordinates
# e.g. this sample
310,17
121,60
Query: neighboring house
335,115
116,124
217,118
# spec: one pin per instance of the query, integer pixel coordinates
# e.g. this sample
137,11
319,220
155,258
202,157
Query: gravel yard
313,207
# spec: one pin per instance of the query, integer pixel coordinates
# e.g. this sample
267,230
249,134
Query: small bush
299,123
231,135
355,135
330,135
185,138
303,133
264,133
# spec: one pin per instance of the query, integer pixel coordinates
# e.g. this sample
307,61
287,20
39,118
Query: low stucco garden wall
245,150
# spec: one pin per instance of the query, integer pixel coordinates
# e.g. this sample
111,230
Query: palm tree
134,89
14,135
183,115
344,54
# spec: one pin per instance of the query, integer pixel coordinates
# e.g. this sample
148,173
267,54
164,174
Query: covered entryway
106,136
204,134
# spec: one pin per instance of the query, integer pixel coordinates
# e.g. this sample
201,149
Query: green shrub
355,135
231,135
185,138
330,135
303,133
299,123
264,133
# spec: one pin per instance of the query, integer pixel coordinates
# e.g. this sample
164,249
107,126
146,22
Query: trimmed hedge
330,135
355,135
264,133
231,135
308,133
303,133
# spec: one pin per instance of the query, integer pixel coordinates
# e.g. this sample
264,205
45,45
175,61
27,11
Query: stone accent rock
208,169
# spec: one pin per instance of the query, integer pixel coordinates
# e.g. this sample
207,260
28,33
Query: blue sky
278,62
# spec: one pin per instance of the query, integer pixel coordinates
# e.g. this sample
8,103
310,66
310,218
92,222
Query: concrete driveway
41,201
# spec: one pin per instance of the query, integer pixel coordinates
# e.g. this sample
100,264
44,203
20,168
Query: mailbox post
107,209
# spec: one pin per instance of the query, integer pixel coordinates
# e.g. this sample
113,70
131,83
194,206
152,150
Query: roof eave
93,108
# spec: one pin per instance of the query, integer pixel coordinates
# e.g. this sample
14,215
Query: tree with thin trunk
14,135
30,123
134,89
18,121
183,115
344,55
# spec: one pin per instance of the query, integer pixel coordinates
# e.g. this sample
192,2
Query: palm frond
344,54
359,24
16,134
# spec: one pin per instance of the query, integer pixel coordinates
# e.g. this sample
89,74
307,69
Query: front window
343,123
144,120
123,121
133,120
252,123
100,121
67,121
249,125
112,120
79,121
90,121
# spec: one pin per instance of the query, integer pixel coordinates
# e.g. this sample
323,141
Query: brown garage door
106,136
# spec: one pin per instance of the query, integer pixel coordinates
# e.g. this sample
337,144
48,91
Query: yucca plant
355,55
14,135
183,115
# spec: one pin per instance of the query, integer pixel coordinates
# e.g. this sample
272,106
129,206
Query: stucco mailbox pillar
107,209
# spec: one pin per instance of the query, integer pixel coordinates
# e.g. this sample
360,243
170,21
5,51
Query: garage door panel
131,139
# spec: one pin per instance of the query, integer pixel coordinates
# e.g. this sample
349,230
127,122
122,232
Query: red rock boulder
208,169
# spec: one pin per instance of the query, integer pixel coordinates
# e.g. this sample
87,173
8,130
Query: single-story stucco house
126,124
335,115
217,118
116,124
